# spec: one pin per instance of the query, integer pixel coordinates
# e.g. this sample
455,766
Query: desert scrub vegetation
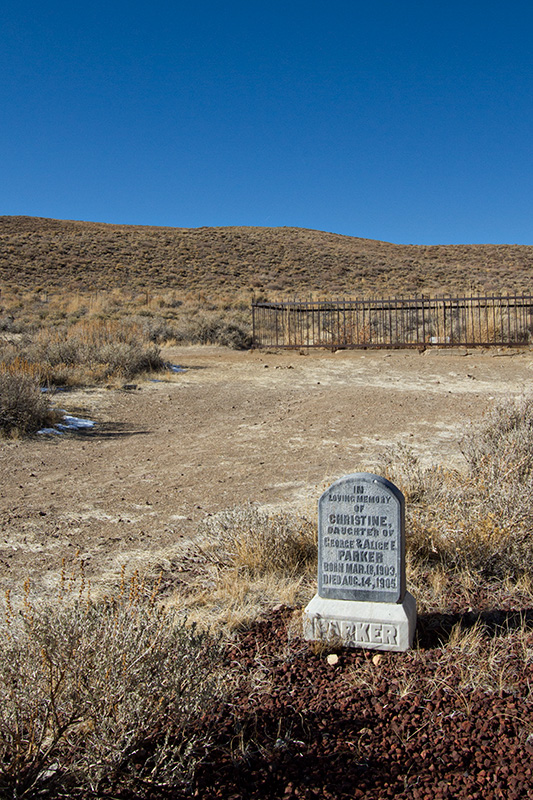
23,407
161,318
469,533
215,328
88,351
101,696
250,560
74,340
56,254
476,522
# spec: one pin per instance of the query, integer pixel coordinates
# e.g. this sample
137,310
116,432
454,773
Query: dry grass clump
103,695
251,560
474,658
252,541
87,351
479,521
23,407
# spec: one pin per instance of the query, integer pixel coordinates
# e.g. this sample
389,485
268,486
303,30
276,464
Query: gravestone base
377,626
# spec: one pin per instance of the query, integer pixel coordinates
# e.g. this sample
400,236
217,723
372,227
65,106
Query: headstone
362,600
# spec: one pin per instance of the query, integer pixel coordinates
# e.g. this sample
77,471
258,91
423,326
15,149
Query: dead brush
252,541
252,560
93,350
101,695
23,407
479,520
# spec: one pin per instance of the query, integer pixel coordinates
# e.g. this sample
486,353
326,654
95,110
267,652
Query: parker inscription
355,633
361,543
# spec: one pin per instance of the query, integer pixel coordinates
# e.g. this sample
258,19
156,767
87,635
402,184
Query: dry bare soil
262,427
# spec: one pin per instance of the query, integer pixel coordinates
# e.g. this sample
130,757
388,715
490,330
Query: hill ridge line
216,261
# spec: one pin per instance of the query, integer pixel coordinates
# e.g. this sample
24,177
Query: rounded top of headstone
378,481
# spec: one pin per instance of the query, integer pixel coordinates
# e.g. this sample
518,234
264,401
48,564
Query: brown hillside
46,253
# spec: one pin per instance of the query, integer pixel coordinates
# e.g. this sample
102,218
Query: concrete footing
377,626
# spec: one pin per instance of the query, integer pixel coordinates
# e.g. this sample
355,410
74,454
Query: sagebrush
101,694
479,519
156,318
23,407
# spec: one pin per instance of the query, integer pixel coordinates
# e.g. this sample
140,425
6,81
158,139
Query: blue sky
408,121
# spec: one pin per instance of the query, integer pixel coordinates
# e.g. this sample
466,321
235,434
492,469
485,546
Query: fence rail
395,322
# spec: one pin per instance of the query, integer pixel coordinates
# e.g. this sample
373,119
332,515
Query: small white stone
332,659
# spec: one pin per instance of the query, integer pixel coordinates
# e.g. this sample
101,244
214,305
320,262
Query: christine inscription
361,544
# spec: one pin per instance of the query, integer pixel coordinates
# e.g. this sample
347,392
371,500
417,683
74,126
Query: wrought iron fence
395,322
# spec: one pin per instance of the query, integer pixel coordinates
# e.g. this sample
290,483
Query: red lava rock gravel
302,728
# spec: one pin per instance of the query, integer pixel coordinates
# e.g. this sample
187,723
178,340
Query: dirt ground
269,428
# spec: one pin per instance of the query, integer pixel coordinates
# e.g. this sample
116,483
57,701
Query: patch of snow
71,423
176,368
